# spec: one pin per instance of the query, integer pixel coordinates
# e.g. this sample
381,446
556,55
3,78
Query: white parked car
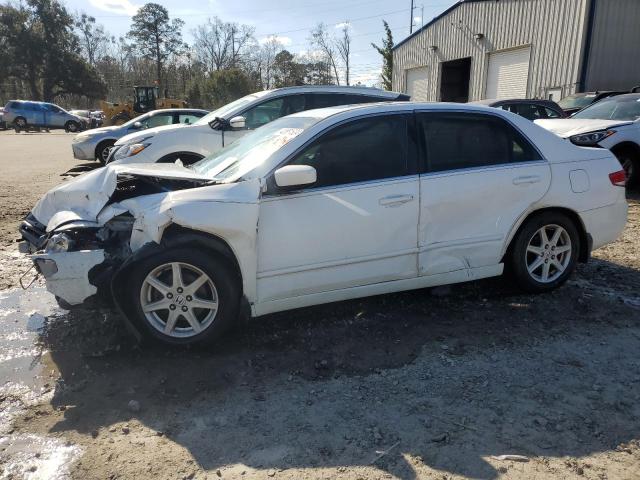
612,123
232,121
328,205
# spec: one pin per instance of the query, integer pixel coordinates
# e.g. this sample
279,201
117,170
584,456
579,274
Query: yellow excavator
145,99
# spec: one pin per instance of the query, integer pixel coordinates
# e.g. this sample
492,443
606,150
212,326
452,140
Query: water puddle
32,457
25,377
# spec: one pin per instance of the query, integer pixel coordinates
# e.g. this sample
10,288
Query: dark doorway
454,80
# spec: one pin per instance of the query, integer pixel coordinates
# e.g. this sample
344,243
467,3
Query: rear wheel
544,252
182,297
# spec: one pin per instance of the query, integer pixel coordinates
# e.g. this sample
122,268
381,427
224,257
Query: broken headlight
59,243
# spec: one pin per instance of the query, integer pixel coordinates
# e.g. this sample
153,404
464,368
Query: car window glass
159,120
188,118
551,113
264,113
613,108
324,100
362,150
528,111
457,140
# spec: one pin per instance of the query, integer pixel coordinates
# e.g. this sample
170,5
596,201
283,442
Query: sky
290,21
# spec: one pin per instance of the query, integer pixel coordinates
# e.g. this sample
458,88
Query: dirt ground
425,384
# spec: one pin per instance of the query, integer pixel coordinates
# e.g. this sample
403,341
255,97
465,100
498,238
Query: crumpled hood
567,127
148,132
82,198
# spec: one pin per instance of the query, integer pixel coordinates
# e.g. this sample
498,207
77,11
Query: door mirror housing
137,125
295,176
237,122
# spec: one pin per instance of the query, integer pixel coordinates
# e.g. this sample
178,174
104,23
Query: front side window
463,140
529,111
264,113
551,113
188,118
362,150
159,120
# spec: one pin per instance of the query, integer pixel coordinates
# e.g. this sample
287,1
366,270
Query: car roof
496,101
186,109
356,90
375,107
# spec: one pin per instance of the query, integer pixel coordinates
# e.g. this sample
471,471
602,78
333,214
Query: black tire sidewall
103,145
517,260
226,283
75,125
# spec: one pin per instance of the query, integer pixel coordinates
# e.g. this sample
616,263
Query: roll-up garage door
418,84
508,74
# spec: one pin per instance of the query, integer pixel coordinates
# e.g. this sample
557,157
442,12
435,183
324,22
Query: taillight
619,179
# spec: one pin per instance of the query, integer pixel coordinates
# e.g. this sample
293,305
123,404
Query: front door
356,225
481,176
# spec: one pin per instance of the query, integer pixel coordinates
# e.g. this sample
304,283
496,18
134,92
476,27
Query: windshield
252,150
226,109
615,108
579,100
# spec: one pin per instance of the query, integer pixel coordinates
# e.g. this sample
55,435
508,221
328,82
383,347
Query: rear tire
544,252
164,307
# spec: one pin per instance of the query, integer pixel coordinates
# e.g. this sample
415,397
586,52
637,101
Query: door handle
395,200
527,179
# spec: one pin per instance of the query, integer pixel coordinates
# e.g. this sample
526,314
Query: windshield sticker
285,135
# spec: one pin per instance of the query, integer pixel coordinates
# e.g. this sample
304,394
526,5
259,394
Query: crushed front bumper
67,274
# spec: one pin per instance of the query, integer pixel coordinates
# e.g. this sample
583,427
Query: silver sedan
95,144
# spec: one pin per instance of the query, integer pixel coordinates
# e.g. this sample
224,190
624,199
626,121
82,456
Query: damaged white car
328,205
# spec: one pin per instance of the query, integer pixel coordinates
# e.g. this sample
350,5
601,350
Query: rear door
480,174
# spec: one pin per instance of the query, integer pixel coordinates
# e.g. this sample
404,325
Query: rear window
13,104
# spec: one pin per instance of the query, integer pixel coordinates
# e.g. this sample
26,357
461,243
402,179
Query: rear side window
361,150
13,104
460,140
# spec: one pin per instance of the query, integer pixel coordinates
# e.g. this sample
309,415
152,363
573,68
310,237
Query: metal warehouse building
481,49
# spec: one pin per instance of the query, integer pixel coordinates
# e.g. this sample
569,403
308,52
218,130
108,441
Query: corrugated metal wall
614,58
554,29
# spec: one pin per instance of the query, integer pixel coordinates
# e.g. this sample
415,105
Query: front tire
544,252
72,126
184,297
103,149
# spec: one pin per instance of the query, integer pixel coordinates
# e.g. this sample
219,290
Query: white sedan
327,205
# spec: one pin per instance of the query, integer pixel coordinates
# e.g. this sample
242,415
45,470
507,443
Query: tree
224,86
40,48
320,38
287,71
93,39
219,44
156,37
387,56
343,45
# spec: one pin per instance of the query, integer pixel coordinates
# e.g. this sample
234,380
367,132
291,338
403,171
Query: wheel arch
627,145
585,238
175,236
102,142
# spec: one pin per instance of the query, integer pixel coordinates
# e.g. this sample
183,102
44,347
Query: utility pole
411,19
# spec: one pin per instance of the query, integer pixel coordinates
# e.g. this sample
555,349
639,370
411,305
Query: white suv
230,122
612,123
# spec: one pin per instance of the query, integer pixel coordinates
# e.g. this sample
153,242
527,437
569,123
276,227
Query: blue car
24,114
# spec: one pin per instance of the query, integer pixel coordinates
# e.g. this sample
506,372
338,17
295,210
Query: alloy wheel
548,253
104,153
179,300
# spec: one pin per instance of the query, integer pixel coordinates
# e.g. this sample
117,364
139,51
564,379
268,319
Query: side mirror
237,122
295,176
137,125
